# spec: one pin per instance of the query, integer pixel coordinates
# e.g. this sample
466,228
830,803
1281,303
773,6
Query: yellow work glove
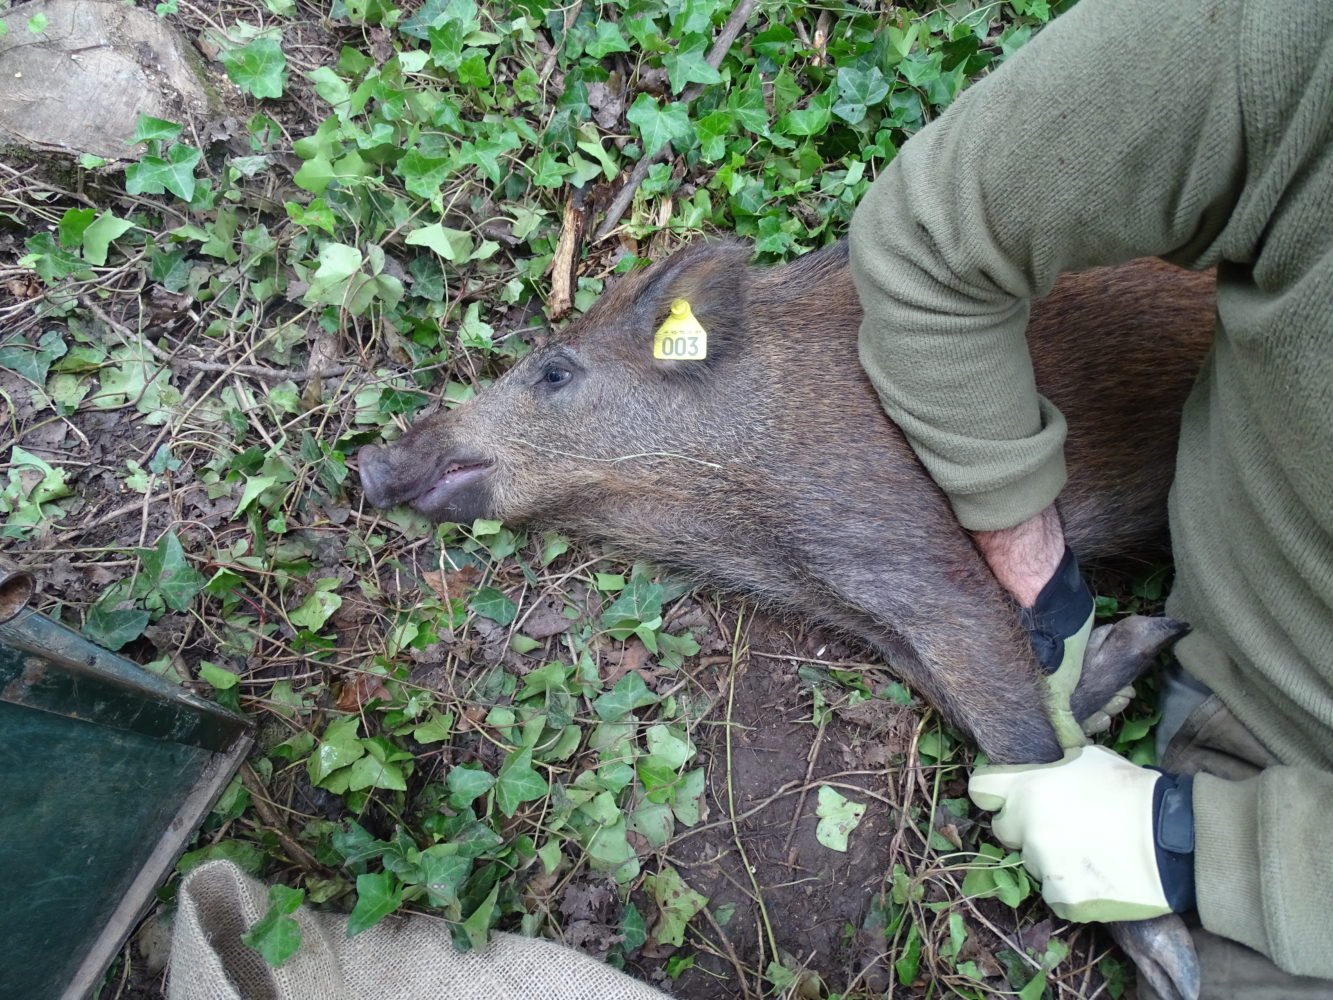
1058,625
1107,839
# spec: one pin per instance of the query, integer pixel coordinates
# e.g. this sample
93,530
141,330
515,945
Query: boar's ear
713,278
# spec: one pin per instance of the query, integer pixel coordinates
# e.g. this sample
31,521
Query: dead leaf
163,308
360,689
472,718
381,44
324,354
448,586
352,613
607,101
1038,936
588,902
24,287
634,656
547,618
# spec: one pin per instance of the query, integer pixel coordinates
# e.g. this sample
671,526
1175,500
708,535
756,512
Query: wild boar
770,468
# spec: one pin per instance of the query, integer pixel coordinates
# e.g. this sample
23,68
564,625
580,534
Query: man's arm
1263,862
1115,134
1024,557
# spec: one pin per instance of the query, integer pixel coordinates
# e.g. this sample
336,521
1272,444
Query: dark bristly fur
771,469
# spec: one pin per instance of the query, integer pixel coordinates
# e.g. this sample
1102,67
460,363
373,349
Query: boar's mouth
452,489
452,495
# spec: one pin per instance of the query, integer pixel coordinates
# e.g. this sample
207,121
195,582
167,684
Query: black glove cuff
1173,837
1061,609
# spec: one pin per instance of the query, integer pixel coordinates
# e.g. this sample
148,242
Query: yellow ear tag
681,337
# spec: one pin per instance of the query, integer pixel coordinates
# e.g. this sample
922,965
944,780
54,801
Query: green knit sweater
1200,131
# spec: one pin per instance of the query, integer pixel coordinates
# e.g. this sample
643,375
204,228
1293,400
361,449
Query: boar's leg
980,674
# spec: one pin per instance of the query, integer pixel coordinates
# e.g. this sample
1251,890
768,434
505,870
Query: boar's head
587,413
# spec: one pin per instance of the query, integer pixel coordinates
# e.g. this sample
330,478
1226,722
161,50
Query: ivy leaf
659,125
454,245
811,120
633,928
858,91
170,573
318,606
636,610
838,817
72,226
97,236
112,627
713,131
686,64
330,86
154,175
442,874
371,772
315,175
376,897
676,902
629,693
472,71
25,503
150,129
607,38
219,677
238,852
908,961
518,782
276,936
672,749
490,603
549,172
685,802
258,67
436,729
422,175
479,921
31,362
466,784
338,262
694,16
476,332
338,747
254,487
51,261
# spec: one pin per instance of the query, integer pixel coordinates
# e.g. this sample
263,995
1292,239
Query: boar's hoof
1117,654
454,489
1163,951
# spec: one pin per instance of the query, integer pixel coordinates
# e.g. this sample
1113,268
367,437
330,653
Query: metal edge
16,589
33,632
137,899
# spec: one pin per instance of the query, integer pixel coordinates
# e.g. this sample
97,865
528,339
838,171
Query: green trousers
1199,733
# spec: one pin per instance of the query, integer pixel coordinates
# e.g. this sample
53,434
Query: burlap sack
400,959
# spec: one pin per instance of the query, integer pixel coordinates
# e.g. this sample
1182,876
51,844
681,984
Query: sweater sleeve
1115,134
1263,864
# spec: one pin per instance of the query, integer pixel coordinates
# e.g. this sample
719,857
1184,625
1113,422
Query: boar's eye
554,375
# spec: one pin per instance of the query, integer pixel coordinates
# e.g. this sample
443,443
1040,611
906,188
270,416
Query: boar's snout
377,480
452,487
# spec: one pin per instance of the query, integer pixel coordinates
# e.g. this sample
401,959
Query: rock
80,84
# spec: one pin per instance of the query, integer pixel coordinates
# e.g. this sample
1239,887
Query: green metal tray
106,770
